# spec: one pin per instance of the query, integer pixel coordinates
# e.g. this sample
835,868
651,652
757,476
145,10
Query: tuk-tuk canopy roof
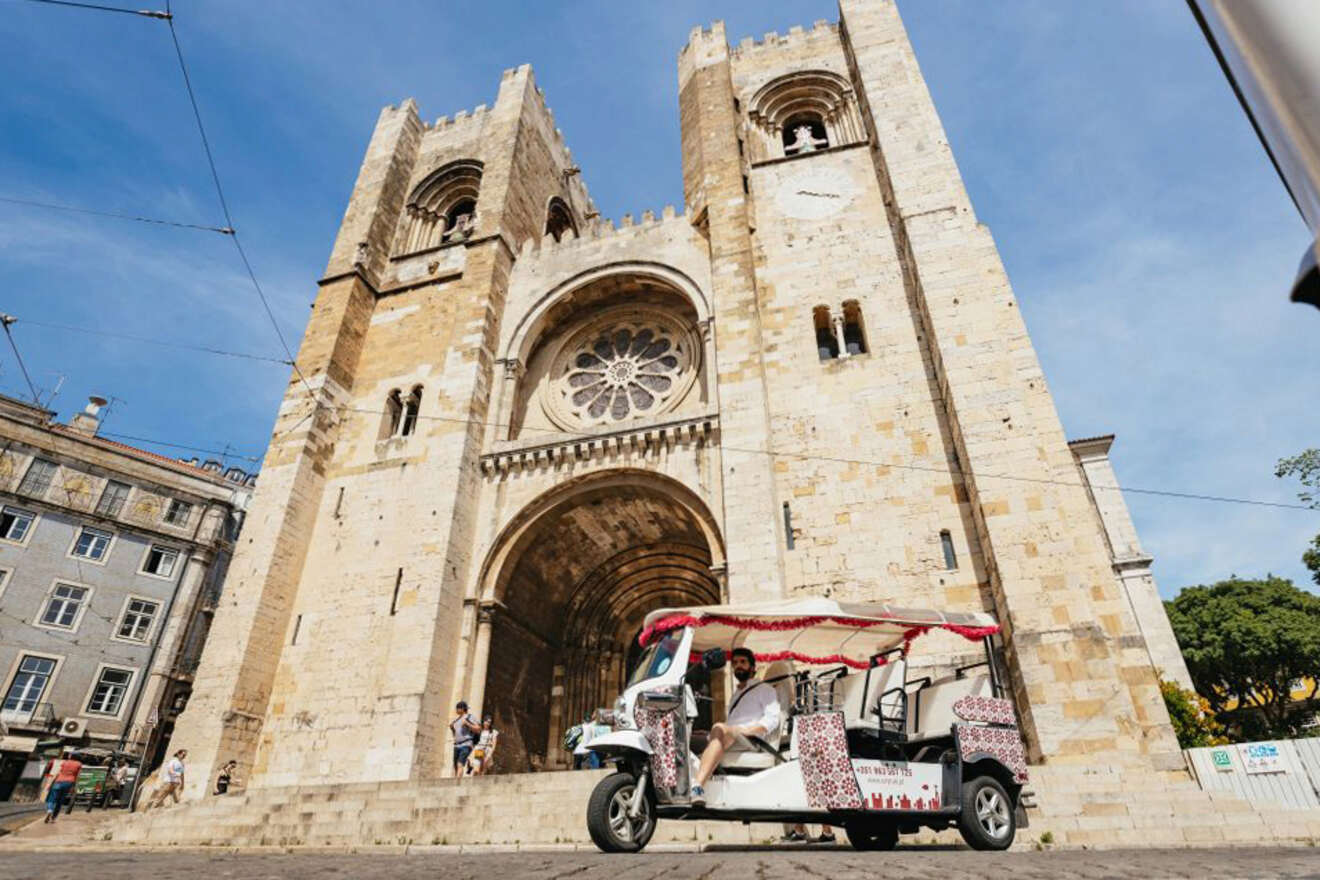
813,631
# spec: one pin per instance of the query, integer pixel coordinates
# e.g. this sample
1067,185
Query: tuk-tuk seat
758,753
932,706
884,693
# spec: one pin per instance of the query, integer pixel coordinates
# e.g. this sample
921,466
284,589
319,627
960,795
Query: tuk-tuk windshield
657,658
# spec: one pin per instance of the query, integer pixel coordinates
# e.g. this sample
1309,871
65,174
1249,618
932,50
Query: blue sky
1145,233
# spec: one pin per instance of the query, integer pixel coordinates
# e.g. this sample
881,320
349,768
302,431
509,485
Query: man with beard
753,712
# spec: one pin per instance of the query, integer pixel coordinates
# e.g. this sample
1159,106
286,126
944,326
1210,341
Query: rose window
622,368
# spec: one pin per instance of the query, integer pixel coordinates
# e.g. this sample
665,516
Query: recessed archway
567,592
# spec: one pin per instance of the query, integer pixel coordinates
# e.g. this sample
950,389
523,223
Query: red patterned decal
1002,743
658,728
827,771
988,709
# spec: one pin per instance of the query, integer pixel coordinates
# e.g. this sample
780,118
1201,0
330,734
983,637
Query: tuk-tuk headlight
620,713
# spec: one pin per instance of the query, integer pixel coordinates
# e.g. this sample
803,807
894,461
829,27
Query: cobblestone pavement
760,864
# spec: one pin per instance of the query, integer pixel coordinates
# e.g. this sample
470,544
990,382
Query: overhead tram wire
806,456
228,229
168,445
110,334
148,13
223,230
6,320
168,17
224,205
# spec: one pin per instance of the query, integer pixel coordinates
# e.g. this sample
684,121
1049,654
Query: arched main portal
569,597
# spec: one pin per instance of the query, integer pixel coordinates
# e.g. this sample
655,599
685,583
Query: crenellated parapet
797,37
603,232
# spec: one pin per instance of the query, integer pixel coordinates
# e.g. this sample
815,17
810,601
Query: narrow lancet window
950,558
827,344
854,331
393,414
411,408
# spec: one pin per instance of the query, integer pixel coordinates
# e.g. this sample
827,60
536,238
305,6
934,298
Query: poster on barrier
1261,757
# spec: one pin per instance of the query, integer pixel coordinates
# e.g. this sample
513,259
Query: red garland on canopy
678,621
772,656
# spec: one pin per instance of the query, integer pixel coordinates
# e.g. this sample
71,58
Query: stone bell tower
333,653
880,399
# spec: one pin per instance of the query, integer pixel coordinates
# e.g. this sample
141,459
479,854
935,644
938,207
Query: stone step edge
1024,842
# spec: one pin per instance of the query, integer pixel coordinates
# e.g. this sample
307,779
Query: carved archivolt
625,363
799,98
442,208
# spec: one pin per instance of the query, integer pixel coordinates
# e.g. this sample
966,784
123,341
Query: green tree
1306,468
1193,719
1245,641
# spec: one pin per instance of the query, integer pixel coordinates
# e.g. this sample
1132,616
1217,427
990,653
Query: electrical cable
148,13
154,442
224,205
572,438
147,340
230,230
6,320
56,207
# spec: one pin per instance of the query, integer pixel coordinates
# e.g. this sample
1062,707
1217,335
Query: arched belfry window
804,112
443,207
401,413
559,219
841,334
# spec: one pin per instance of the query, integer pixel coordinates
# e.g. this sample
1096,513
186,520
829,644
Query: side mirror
713,658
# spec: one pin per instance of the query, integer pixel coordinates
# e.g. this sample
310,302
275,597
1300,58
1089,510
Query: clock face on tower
816,194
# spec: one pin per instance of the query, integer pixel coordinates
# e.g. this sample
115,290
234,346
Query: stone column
554,749
481,658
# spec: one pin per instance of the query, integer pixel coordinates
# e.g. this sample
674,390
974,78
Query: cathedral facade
516,428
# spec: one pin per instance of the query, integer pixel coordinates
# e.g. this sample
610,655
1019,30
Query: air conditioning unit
72,728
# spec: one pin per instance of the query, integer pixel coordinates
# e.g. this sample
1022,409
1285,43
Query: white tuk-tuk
862,745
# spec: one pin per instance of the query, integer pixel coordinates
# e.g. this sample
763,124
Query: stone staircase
1079,806
513,809
1099,806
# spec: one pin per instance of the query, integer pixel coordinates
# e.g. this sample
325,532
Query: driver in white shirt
753,712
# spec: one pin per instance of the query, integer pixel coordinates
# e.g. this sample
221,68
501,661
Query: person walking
171,780
484,751
226,777
65,774
115,782
465,729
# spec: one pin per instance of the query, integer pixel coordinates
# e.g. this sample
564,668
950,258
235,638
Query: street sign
1261,757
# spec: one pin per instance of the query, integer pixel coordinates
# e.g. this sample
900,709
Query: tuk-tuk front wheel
611,828
988,820
872,835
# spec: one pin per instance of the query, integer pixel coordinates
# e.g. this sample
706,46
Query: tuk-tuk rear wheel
988,819
607,821
872,835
